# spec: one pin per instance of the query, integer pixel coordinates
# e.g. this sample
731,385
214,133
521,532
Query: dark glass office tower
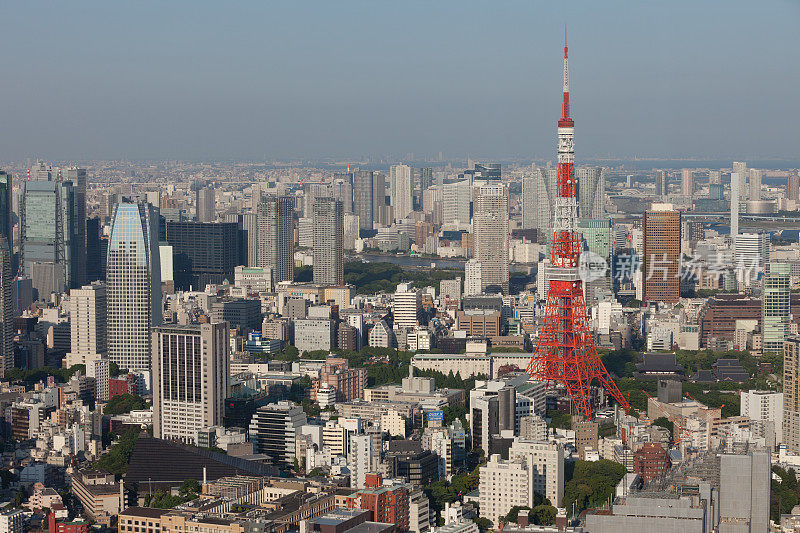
94,255
203,252
248,237
78,178
6,222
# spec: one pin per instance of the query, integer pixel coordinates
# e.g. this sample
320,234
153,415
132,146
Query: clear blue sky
338,78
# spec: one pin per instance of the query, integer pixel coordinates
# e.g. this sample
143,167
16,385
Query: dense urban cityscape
401,345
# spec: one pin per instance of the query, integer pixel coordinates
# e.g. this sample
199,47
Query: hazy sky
338,78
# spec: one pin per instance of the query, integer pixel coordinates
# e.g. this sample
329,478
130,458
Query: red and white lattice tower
566,352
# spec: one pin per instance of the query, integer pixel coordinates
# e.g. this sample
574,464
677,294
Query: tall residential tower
276,236
328,243
490,225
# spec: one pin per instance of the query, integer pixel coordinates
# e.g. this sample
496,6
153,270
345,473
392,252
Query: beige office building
191,379
87,316
490,226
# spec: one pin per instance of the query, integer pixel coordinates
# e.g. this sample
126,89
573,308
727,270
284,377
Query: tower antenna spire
566,121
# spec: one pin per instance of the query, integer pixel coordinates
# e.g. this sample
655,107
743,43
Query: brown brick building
389,505
662,254
651,461
479,322
718,318
348,382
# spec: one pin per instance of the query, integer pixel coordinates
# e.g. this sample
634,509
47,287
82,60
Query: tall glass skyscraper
133,285
77,176
52,209
775,307
48,235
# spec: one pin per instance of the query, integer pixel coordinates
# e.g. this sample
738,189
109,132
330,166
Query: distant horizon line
383,160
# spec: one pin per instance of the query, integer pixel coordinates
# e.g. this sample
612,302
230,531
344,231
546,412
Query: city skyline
309,87
197,342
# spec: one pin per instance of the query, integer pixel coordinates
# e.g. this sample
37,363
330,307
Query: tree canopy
784,494
441,492
62,375
116,459
371,278
592,484
125,403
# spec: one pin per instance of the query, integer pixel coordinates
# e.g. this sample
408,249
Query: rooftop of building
379,490
659,362
339,515
144,512
158,461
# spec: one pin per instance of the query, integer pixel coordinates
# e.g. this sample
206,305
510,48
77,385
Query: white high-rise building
472,277
490,226
450,288
305,232
503,485
312,191
380,336
751,256
360,459
100,370
543,278
342,190
740,169
661,183
430,198
133,285
764,405
406,305
401,191
439,442
273,431
191,379
87,316
530,199
545,461
350,232
455,203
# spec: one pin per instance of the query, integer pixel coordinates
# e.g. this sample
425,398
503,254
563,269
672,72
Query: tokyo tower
566,352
